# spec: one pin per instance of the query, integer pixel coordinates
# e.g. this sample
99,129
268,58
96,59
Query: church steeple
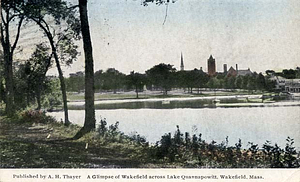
181,65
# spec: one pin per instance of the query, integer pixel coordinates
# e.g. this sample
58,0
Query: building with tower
211,66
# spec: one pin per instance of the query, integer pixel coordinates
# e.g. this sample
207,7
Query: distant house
292,85
288,85
231,72
236,72
244,72
79,73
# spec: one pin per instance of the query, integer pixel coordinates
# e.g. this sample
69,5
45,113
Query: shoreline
192,103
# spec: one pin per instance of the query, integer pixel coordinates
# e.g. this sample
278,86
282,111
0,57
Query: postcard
150,90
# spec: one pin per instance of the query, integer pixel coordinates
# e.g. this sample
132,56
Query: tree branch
73,7
62,37
48,64
3,20
13,16
46,25
166,14
2,35
18,34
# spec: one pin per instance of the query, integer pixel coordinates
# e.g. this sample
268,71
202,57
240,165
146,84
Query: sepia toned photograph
149,84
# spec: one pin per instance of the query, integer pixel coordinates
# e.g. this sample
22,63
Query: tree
9,16
162,76
213,83
61,14
36,69
297,72
238,82
200,80
289,74
90,121
191,79
270,72
2,89
231,82
136,80
113,79
98,80
75,83
251,85
260,82
245,82
270,84
52,97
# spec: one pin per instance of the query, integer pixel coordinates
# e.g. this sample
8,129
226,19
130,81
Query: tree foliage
162,76
137,81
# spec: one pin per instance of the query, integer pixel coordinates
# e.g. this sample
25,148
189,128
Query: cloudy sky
259,34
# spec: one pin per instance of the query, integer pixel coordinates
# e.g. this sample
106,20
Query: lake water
250,124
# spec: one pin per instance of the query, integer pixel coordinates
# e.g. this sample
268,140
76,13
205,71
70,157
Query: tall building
181,64
211,66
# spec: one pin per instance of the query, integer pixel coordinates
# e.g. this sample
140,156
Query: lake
251,124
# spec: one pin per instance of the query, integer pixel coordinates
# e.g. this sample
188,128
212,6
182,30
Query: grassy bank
34,140
160,104
157,94
48,145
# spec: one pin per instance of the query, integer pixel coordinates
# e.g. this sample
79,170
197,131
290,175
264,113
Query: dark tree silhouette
8,17
90,121
162,76
136,80
36,68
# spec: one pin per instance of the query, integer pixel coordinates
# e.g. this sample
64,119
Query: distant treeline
164,77
286,73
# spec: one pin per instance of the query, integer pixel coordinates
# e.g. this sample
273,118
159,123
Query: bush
36,116
113,134
195,152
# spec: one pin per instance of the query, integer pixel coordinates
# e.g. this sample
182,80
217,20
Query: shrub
36,116
196,152
113,134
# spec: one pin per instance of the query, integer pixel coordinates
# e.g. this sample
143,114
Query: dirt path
31,146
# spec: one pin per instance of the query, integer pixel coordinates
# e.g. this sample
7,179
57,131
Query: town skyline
181,67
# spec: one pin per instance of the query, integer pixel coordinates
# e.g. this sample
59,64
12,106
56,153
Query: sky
255,34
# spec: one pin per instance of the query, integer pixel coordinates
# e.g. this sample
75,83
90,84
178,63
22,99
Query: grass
28,145
25,145
111,96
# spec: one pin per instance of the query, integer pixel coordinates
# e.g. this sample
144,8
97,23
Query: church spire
181,65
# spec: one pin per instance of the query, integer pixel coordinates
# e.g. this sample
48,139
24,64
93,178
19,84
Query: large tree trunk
39,87
8,52
90,121
9,85
8,69
60,73
38,97
62,85
137,91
